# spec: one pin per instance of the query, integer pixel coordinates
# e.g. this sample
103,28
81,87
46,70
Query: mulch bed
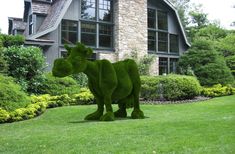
156,102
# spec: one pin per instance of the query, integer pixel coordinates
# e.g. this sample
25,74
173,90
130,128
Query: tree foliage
208,65
26,64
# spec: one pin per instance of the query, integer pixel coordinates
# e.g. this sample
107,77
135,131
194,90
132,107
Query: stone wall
130,27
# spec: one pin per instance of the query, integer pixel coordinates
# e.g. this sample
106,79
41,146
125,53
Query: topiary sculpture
109,82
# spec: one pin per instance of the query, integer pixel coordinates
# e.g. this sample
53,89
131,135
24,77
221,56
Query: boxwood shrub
218,90
59,86
170,87
11,95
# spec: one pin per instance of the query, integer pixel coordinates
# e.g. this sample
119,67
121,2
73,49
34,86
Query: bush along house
113,28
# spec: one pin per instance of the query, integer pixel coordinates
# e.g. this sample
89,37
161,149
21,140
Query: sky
220,10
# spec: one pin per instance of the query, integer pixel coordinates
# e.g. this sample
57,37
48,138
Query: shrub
170,87
11,40
58,86
208,65
85,97
4,116
218,90
26,64
3,62
29,112
81,79
11,95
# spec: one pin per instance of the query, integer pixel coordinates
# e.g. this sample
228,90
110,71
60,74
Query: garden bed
194,100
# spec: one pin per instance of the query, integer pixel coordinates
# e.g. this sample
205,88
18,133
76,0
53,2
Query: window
162,20
163,66
105,36
151,18
174,43
162,42
88,33
173,65
105,13
88,9
69,32
31,24
97,31
159,29
151,41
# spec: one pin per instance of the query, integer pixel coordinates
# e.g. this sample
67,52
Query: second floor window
174,43
97,23
69,32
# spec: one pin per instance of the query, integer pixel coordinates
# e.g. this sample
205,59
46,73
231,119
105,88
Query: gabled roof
39,7
179,21
16,23
55,14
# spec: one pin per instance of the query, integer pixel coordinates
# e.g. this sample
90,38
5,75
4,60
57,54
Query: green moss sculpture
109,82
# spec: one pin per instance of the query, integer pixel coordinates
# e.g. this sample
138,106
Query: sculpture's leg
109,115
97,114
137,113
121,112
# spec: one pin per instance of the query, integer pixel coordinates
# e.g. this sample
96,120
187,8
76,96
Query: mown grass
202,128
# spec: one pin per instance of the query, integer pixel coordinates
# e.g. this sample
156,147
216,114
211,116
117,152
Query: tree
182,7
208,65
211,32
227,48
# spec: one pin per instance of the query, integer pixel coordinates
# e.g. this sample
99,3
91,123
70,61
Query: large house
113,28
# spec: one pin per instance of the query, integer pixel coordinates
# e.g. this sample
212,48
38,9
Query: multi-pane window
157,26
88,33
162,20
105,35
174,43
173,65
31,24
105,13
151,40
69,32
88,9
151,18
167,65
162,42
163,65
96,23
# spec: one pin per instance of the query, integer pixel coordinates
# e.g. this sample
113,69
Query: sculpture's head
74,62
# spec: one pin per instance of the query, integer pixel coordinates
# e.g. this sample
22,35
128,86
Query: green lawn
201,128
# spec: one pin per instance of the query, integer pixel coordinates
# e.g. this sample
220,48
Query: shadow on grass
116,119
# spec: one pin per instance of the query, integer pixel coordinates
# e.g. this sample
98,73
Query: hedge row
40,103
218,90
170,87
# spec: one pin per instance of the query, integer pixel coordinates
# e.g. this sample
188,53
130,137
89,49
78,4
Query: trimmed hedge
170,87
217,91
59,86
11,95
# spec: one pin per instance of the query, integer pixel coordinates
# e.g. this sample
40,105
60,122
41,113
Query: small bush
81,79
29,112
4,116
11,95
217,91
85,97
170,87
11,40
59,86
